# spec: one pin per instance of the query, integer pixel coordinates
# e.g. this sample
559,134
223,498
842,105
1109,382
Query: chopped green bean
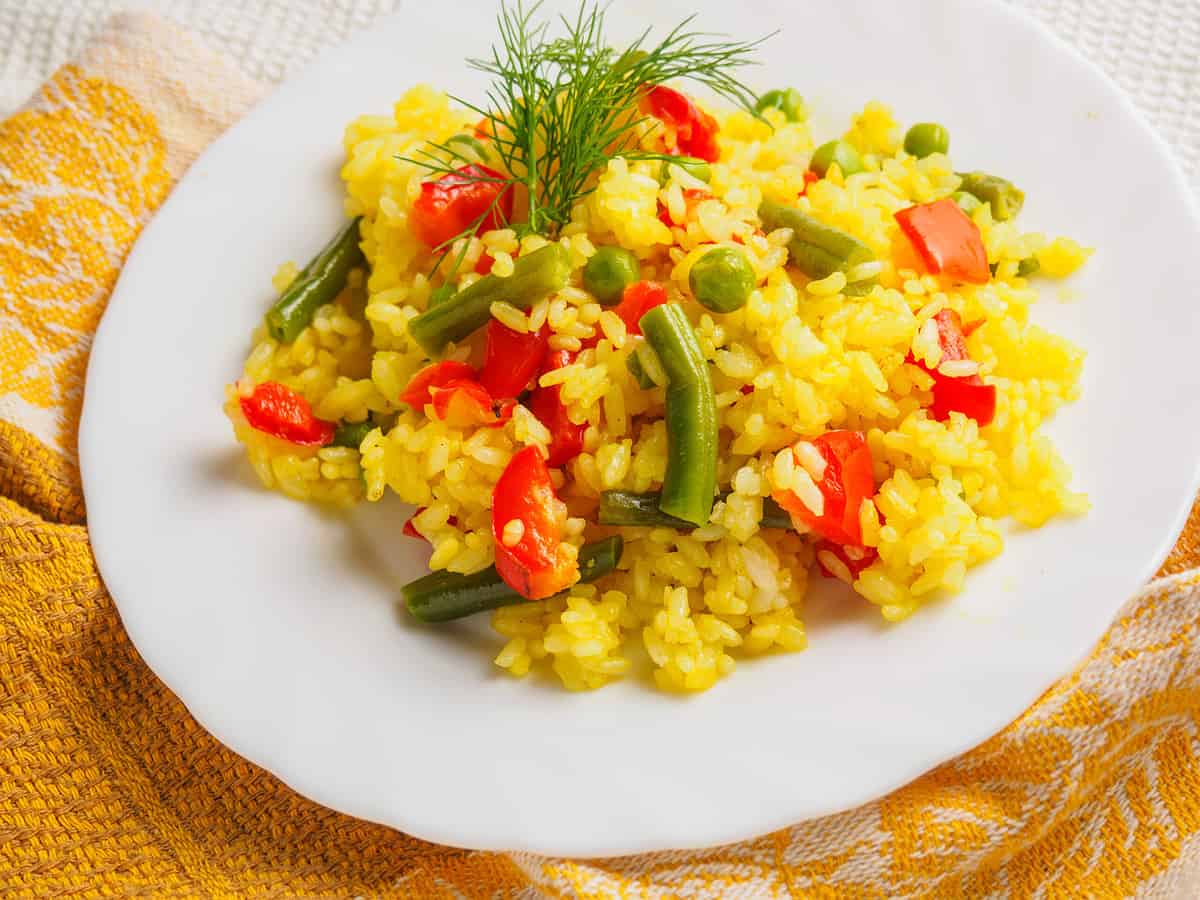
318,283
697,168
442,596
786,100
691,415
534,276
1005,198
968,203
609,271
440,295
722,279
641,510
925,139
634,364
1030,265
839,152
351,434
816,249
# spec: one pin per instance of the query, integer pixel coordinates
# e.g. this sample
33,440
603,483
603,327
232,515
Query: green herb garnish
560,108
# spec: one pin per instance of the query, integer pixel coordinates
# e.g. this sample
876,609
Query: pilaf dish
646,364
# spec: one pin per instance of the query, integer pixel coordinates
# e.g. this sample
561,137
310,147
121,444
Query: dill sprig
559,108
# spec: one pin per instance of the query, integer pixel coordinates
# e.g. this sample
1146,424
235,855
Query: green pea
838,152
697,168
968,203
926,138
722,279
786,100
609,272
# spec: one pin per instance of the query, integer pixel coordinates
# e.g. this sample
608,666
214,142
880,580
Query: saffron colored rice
695,603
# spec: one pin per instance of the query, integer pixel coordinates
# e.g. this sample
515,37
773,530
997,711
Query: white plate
276,625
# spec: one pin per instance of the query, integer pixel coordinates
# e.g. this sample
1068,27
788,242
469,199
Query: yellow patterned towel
107,786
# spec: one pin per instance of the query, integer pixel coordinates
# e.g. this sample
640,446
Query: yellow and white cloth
108,787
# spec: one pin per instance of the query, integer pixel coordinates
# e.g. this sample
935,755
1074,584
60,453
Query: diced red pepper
439,374
847,480
566,437
280,412
966,394
687,129
449,205
511,359
637,300
855,559
810,177
539,564
410,529
691,196
946,239
462,403
484,264
457,396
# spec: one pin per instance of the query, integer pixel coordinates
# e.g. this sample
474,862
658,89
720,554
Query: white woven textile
1150,47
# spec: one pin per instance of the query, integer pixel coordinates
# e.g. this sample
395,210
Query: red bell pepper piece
539,564
966,394
810,177
511,359
280,412
687,129
417,393
566,437
456,395
855,559
691,196
483,265
449,205
946,239
637,300
847,480
462,403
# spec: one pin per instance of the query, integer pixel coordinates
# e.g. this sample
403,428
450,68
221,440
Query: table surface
1150,47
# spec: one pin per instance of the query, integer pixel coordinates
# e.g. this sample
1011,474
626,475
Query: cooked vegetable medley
644,362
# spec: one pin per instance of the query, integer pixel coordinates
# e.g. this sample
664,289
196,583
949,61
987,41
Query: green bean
641,510
691,415
818,250
1005,198
786,100
634,364
925,139
968,203
722,279
440,295
697,168
838,152
442,596
534,276
351,434
609,271
318,283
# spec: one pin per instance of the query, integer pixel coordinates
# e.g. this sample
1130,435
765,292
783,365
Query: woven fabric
108,787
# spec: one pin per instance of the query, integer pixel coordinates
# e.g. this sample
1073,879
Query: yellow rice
693,603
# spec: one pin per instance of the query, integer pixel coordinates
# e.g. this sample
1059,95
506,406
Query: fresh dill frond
559,108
